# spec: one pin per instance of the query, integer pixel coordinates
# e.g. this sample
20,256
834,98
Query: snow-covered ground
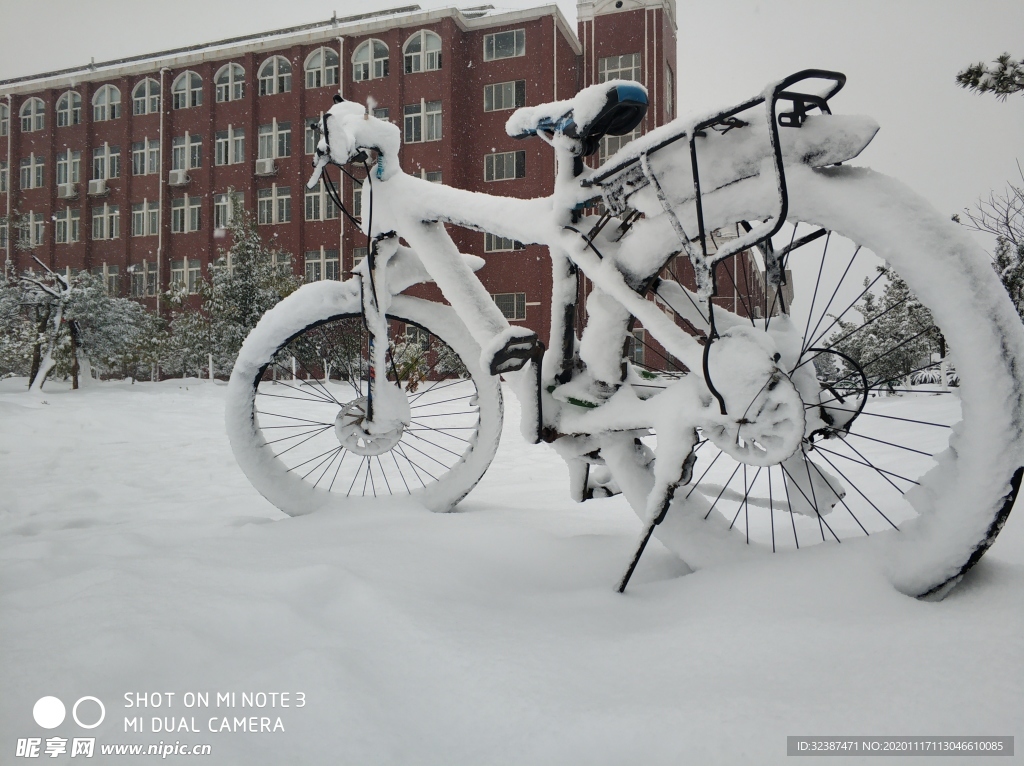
137,559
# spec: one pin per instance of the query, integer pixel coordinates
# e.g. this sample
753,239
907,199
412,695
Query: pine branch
1004,77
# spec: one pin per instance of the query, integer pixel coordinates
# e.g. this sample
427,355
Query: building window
312,133
67,226
145,157
626,67
69,109
5,120
357,199
319,205
504,95
144,279
186,152
187,91
111,276
230,82
3,234
370,61
30,231
358,256
423,122
321,264
229,146
275,141
496,244
106,104
503,166
146,97
670,94
185,214
275,76
33,115
505,45
635,347
106,221
322,68
382,113
434,176
224,208
32,172
274,205
106,162
612,144
282,262
186,275
512,305
422,52
145,218
3,177
69,167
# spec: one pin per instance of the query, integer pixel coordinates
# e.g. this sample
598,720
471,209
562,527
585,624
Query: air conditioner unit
67,191
98,187
178,178
266,168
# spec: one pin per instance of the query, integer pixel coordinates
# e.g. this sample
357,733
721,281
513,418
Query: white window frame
368,63
106,162
422,126
618,68
517,310
495,244
186,273
491,165
5,120
69,167
144,279
611,144
148,150
424,58
357,199
275,76
106,103
635,351
318,204
274,208
146,213
358,256
186,152
322,264
225,206
275,137
148,102
4,177
111,276
33,229
187,90
67,226
312,136
518,44
69,109
229,146
229,83
496,95
32,174
321,74
33,115
186,214
106,219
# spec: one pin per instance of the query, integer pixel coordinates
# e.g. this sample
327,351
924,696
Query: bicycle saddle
612,108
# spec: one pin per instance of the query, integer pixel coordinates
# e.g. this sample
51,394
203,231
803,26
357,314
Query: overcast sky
901,57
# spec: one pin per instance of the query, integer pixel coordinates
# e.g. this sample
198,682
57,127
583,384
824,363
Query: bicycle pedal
515,354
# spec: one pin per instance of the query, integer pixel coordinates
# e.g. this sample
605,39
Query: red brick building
124,167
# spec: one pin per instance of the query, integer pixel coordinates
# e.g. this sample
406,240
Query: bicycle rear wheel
299,394
890,446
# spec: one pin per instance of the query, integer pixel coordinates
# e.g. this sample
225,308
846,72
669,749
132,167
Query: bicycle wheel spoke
317,430
289,449
858,490
891,444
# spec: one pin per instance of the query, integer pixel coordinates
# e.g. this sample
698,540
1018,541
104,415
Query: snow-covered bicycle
717,380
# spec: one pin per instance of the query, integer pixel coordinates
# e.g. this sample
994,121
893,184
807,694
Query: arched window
146,97
230,82
5,120
370,61
422,52
322,68
187,91
33,115
275,76
69,109
106,104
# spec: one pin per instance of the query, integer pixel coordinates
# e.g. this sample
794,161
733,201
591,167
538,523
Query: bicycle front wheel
931,452
299,390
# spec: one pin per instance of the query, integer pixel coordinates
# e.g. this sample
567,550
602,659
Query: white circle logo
74,713
49,712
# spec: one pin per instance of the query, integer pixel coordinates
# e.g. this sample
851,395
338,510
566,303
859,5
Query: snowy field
136,559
